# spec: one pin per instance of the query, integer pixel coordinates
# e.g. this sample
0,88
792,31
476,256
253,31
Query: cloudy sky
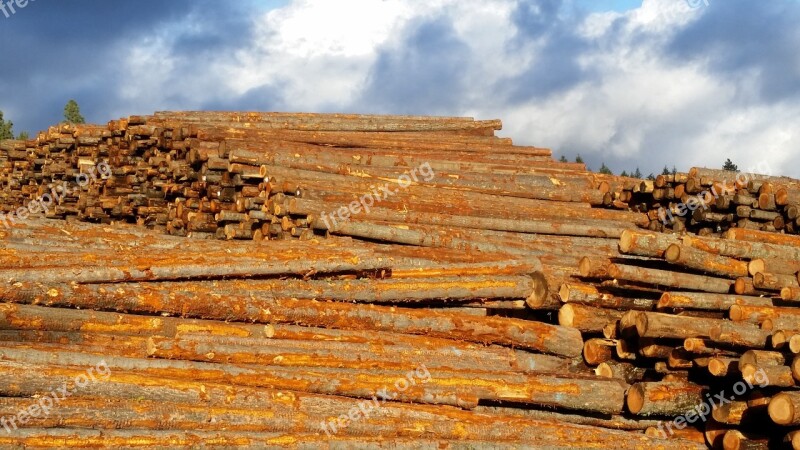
629,83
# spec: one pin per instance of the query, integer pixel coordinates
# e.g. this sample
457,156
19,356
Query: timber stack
709,202
404,277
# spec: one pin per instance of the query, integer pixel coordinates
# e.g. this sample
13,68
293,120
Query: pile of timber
692,321
709,202
526,292
277,176
278,344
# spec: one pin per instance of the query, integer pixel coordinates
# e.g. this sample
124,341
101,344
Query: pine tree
5,128
729,165
605,170
563,159
637,173
665,171
72,113
624,173
651,177
674,170
23,136
578,159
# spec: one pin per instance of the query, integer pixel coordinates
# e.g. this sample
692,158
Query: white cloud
636,105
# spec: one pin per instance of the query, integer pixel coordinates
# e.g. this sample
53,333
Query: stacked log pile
260,175
709,202
287,343
702,330
503,298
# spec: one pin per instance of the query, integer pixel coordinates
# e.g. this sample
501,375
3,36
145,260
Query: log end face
641,324
740,286
626,241
664,301
755,266
585,267
673,253
635,399
540,291
781,409
733,440
563,293
604,370
566,316
736,313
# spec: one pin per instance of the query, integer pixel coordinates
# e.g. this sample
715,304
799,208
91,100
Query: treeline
604,169
72,114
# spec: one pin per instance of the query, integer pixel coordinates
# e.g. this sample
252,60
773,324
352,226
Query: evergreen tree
72,113
23,136
563,159
729,165
665,171
578,159
5,128
674,170
605,170
624,173
637,173
651,177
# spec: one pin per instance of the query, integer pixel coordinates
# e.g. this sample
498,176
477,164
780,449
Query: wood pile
709,201
499,299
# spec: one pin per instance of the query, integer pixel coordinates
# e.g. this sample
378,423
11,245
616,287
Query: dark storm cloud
263,98
57,50
555,68
741,37
424,74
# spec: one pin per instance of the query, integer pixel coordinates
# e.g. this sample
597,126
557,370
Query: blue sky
629,83
608,5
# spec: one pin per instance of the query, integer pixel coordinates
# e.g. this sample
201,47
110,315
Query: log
586,318
670,279
666,399
699,260
784,408
708,301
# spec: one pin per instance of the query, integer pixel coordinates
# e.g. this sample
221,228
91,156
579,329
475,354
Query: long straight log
699,260
670,279
209,304
657,398
709,301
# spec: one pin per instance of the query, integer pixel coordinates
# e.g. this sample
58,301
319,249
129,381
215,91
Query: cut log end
604,370
635,399
736,313
585,266
641,324
665,300
673,253
540,291
718,367
626,241
566,316
756,266
781,409
733,440
563,293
